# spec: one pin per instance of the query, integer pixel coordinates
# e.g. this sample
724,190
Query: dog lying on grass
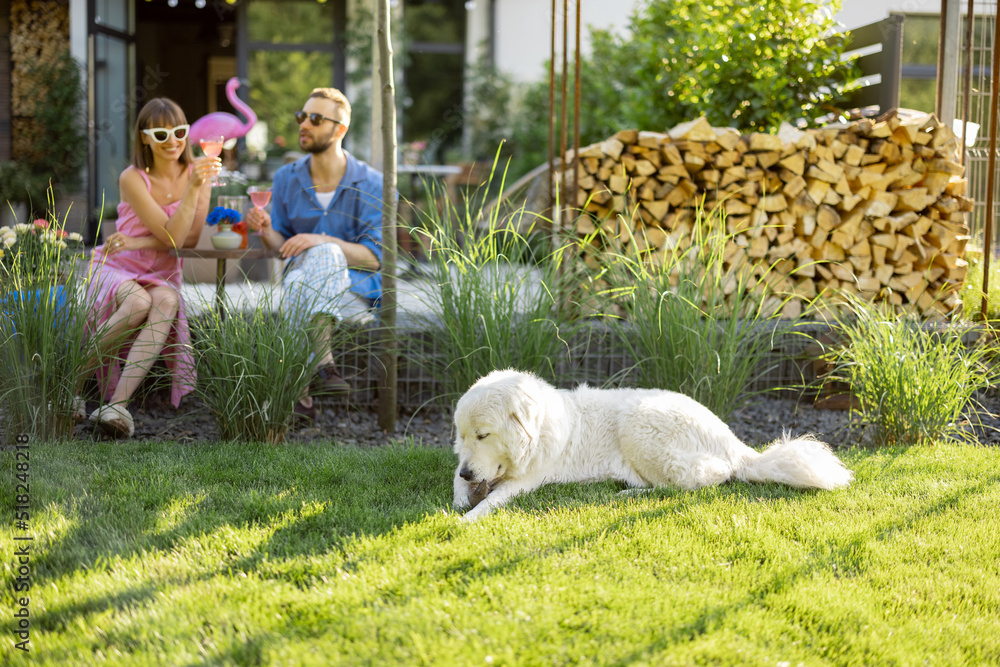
515,433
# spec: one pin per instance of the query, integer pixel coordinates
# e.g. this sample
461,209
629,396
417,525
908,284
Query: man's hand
257,219
299,243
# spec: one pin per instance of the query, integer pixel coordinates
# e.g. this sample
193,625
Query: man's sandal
113,420
328,381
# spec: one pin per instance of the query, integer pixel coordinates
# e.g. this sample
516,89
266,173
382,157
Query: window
433,75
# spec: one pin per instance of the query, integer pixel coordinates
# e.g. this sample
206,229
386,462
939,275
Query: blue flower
226,216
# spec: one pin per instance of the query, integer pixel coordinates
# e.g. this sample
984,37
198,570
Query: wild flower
38,252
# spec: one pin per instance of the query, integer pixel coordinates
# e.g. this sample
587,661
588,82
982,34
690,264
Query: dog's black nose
465,473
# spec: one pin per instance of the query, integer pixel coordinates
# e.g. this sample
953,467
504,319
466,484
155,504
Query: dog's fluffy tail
803,462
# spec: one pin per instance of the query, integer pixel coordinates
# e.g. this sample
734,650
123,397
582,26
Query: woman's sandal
113,420
79,410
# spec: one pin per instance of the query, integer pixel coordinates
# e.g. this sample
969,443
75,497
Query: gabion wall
604,361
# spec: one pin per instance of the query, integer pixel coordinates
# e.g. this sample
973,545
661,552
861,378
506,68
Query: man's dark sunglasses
314,118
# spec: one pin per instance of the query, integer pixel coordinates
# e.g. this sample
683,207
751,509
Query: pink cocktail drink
260,198
212,147
260,195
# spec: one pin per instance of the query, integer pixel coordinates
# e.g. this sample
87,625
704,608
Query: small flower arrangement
38,252
223,216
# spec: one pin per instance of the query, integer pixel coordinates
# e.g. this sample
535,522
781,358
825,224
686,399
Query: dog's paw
477,512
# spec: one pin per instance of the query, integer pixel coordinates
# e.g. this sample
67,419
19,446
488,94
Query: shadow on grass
128,500
319,497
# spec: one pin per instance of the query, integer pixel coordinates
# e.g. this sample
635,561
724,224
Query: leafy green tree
748,65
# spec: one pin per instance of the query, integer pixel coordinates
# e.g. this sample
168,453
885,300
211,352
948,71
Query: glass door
112,97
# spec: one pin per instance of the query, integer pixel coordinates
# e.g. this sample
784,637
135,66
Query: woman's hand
204,170
117,243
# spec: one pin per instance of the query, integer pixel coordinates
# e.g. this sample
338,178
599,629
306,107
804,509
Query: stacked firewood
39,32
876,208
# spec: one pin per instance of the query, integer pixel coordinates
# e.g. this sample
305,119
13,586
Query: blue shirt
354,215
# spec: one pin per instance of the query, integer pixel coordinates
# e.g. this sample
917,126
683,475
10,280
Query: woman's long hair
158,112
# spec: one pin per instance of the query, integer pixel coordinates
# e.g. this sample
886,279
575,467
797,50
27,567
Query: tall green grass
43,352
914,380
972,291
693,325
494,297
254,364
44,333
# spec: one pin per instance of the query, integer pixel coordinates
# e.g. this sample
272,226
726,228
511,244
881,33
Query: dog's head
497,426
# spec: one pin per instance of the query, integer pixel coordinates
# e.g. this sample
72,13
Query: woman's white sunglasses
161,134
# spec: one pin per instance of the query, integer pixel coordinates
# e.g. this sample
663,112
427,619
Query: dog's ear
526,418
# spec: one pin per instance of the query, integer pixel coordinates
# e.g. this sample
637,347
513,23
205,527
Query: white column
949,71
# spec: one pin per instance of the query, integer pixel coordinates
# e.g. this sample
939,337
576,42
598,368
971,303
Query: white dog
515,433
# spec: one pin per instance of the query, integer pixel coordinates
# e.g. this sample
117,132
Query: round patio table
222,257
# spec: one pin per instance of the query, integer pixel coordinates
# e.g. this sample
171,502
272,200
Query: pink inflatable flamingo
222,123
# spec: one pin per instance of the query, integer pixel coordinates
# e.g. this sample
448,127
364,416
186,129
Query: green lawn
171,554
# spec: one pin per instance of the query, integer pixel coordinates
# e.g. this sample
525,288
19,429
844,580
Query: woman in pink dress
135,280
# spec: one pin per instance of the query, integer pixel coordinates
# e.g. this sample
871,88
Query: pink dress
148,268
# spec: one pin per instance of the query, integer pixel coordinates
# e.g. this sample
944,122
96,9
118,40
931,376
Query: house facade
132,50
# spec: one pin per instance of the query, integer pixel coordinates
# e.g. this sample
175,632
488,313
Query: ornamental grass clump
690,324
254,364
914,381
43,328
972,290
493,300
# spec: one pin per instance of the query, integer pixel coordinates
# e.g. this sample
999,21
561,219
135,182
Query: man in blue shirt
326,218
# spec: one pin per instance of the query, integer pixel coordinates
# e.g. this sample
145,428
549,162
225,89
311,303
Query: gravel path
756,425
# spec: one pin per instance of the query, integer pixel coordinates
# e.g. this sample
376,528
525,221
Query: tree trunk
389,354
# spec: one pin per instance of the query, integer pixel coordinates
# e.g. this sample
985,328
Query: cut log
866,207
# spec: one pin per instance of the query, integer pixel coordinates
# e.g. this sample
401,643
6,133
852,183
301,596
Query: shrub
748,65
494,298
913,380
43,329
51,144
725,60
253,366
690,325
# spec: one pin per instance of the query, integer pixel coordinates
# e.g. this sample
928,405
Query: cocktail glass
212,147
260,195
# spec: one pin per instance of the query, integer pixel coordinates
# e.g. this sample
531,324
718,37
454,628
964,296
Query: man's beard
317,146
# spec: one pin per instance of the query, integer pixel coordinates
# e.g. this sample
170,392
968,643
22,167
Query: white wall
856,13
522,34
